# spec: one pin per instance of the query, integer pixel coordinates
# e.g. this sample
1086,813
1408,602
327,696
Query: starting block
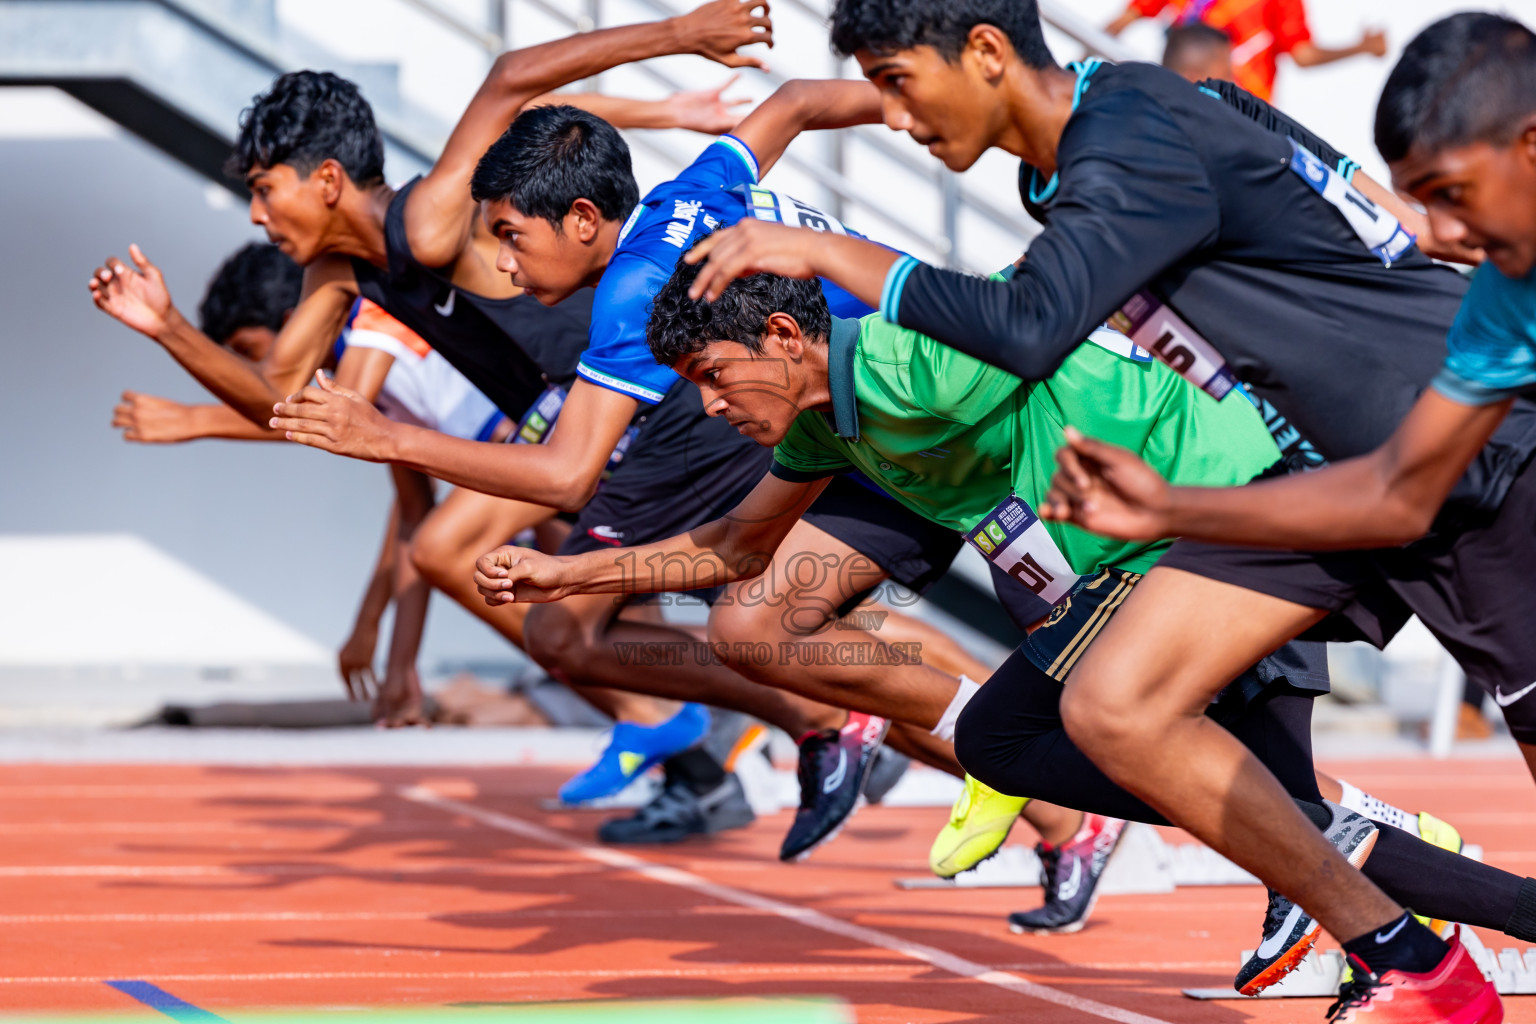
1144,863
1512,972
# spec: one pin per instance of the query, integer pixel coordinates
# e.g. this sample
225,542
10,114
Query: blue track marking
157,998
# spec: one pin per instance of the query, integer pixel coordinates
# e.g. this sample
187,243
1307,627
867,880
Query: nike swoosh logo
836,778
1382,938
1272,945
1068,889
1505,700
446,309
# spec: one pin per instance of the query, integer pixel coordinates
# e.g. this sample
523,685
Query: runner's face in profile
940,103
755,392
1480,195
546,263
293,208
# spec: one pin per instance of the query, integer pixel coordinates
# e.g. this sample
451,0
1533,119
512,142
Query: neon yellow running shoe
978,824
1444,835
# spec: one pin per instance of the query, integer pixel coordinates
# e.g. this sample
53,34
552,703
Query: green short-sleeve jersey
951,437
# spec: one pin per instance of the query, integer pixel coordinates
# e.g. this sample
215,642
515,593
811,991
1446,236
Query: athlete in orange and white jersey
422,388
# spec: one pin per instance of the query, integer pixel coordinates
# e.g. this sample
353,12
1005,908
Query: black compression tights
1010,737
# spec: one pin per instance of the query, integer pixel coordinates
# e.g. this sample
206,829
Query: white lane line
448,917
944,961
318,789
899,971
299,870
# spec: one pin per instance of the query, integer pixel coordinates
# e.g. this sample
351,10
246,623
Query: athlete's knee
556,640
435,550
1100,723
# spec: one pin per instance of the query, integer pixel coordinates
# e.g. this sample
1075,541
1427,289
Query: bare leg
940,650
464,526
1136,704
400,701
921,745
581,640
1055,824
790,608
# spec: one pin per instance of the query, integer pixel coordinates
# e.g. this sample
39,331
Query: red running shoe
1455,992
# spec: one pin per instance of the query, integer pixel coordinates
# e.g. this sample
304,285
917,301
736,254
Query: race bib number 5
1153,326
1014,539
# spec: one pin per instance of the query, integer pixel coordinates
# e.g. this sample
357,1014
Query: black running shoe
888,769
834,768
1070,875
1289,933
678,812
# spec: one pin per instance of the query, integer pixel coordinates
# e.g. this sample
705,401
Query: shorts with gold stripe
1056,647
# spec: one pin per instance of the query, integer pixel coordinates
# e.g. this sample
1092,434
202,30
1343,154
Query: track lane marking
779,970
930,955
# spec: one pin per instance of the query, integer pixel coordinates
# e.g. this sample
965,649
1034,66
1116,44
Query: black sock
695,768
1441,884
1522,920
1408,946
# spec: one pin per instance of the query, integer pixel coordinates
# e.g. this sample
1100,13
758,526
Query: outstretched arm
738,546
1310,55
562,473
805,105
1386,498
699,110
137,297
439,213
148,419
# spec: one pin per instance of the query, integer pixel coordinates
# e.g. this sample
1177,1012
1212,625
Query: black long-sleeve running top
1164,188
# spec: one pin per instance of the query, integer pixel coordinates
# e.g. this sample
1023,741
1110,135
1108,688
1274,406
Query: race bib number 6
1014,539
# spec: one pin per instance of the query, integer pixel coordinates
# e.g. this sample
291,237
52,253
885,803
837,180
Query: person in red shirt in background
1261,30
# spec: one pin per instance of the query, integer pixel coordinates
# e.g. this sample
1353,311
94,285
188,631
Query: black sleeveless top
508,348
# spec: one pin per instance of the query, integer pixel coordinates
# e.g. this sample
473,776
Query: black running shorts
911,550
1464,581
1074,624
684,469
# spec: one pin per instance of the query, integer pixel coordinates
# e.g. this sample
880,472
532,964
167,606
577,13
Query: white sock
1362,802
945,730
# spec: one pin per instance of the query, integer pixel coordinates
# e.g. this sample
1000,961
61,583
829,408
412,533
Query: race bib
776,207
1112,340
1378,229
540,419
1014,539
1155,327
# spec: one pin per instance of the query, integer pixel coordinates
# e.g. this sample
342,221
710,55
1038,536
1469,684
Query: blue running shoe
632,750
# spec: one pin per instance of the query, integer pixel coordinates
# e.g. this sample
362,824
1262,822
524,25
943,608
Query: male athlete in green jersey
972,447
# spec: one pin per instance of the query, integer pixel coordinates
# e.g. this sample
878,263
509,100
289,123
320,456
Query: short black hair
680,326
886,26
552,156
304,119
1465,79
256,287
1195,37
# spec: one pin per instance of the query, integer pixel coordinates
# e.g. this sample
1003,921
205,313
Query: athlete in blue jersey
557,190
719,188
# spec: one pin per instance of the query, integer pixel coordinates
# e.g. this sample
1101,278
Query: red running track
239,888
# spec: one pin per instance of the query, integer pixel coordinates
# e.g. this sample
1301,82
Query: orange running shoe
1455,992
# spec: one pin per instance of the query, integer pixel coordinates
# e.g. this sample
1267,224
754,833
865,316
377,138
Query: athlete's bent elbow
1402,521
